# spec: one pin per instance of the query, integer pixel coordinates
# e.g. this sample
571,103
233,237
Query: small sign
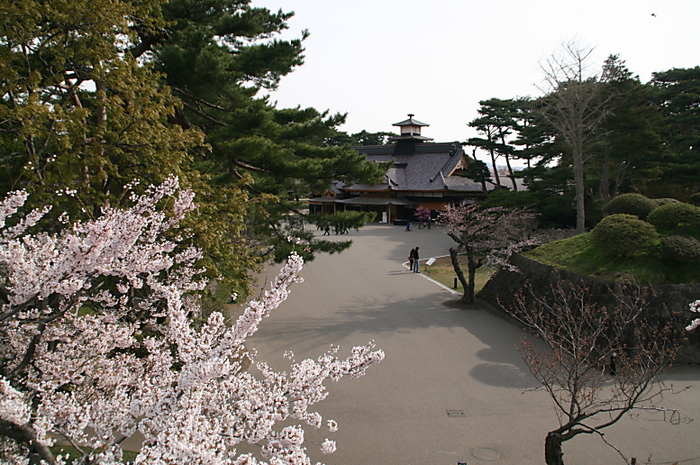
430,261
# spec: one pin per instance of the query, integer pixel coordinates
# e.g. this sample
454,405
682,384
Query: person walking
415,259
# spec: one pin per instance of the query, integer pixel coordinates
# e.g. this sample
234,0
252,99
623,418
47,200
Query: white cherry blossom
695,308
97,343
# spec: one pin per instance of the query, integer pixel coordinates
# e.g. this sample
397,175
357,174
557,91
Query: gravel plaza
453,386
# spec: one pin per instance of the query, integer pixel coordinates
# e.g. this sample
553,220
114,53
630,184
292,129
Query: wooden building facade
424,174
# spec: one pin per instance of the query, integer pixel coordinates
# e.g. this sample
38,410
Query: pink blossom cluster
496,231
97,343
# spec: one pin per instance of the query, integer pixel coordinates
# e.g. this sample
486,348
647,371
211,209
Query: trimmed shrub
676,217
680,249
695,199
624,235
631,204
665,201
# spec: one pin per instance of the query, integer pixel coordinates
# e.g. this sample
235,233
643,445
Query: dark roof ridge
424,147
438,147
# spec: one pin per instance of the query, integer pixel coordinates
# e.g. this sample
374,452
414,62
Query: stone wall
670,302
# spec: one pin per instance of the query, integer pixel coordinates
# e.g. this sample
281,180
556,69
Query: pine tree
220,57
631,150
677,93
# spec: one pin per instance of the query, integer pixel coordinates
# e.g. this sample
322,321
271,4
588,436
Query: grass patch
577,254
443,272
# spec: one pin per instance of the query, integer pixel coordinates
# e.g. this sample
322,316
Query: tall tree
631,149
533,136
496,123
81,117
361,138
575,106
677,93
78,113
220,57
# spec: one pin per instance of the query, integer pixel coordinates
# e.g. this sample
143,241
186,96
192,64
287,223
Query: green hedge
675,218
681,249
666,200
631,204
624,235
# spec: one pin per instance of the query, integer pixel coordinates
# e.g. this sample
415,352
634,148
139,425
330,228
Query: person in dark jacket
414,253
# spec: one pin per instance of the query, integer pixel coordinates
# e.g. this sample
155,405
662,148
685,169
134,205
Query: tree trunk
468,295
471,268
495,168
553,454
511,175
605,177
507,157
483,181
580,188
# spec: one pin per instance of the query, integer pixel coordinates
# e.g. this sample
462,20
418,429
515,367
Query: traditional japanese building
424,174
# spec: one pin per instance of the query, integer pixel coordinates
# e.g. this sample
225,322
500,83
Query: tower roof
410,122
410,133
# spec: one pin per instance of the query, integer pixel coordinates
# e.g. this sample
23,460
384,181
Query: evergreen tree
82,118
478,171
677,93
496,122
533,136
77,114
219,57
360,138
631,150
99,94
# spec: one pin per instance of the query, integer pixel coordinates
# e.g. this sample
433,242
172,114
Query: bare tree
574,104
600,362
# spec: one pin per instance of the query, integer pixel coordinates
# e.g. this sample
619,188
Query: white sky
379,60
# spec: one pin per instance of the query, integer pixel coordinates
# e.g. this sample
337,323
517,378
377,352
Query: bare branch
602,361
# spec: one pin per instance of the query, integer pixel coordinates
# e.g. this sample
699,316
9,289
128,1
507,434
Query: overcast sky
379,60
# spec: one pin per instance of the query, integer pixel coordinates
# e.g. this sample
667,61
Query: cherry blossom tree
422,215
488,236
598,362
98,341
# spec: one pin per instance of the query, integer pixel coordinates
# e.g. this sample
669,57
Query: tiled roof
429,168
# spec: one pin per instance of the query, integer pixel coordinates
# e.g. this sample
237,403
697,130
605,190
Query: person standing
415,259
410,258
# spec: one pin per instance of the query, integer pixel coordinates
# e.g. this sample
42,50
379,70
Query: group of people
413,259
425,224
325,225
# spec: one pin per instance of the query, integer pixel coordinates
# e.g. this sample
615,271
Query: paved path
452,385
